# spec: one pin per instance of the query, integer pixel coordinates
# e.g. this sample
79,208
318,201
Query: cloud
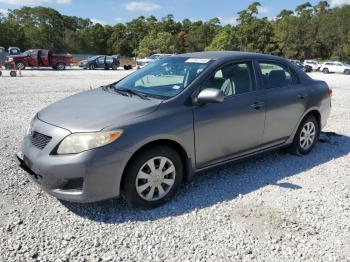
96,21
264,10
141,6
4,12
339,3
228,20
118,19
34,2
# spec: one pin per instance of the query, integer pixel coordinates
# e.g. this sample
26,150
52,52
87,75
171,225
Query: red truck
38,58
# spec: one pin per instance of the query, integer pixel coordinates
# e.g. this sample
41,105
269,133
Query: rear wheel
153,177
60,66
92,67
347,71
115,67
325,70
306,136
20,65
0,73
13,74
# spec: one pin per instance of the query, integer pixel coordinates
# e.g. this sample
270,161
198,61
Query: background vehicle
169,120
145,61
313,64
100,61
14,50
2,55
305,68
39,58
335,67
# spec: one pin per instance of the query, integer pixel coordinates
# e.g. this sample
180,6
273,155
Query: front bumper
90,176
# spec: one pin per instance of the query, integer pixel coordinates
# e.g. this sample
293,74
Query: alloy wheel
307,135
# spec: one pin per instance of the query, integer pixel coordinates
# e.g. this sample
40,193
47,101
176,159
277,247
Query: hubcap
155,178
307,135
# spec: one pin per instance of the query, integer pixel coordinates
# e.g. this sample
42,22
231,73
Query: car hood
94,110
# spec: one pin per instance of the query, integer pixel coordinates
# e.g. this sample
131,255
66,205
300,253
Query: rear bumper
90,176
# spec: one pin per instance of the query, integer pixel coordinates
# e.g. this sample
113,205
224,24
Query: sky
121,11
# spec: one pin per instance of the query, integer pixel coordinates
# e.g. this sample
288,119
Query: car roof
229,55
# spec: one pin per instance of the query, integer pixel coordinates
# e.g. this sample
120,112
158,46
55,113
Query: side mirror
210,95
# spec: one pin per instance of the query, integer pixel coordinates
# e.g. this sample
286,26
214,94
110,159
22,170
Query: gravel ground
276,207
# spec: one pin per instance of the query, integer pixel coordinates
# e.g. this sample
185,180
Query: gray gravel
276,207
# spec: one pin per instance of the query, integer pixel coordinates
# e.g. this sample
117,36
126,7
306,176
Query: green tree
162,42
224,40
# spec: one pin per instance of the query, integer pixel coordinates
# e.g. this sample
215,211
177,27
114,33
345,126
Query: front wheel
60,66
153,177
347,71
306,136
20,65
325,70
92,67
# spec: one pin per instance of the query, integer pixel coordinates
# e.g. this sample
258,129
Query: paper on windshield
198,61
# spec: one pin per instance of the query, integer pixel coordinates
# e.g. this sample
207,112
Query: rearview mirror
210,95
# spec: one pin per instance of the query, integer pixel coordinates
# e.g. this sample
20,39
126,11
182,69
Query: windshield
93,57
164,78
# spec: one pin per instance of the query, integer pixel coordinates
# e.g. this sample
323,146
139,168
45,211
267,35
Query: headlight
11,59
79,142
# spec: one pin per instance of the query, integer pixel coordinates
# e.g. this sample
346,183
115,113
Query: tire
115,67
92,67
347,71
138,175
325,70
308,131
13,73
0,73
130,67
126,67
60,66
20,65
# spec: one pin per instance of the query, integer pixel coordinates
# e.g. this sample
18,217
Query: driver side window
233,79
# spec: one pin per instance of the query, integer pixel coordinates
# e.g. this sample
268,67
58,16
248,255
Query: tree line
306,32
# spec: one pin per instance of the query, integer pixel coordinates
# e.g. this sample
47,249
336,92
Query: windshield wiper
130,92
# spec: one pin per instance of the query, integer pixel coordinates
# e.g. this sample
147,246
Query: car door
338,68
235,126
286,101
33,58
101,62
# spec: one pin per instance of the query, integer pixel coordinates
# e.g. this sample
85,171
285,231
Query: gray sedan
146,134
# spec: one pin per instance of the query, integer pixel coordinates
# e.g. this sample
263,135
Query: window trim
291,71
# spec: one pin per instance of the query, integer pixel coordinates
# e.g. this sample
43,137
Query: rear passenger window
233,79
109,59
276,75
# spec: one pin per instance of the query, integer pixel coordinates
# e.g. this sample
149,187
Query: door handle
257,105
302,96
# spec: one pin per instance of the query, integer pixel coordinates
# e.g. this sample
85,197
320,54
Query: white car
335,67
313,64
145,61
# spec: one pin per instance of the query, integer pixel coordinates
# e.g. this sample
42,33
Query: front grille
40,140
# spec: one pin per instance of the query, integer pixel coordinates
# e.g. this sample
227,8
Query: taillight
329,92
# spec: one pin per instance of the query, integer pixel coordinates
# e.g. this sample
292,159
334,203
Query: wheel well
317,115
163,142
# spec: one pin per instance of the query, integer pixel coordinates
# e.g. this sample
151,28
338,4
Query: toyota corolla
143,136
